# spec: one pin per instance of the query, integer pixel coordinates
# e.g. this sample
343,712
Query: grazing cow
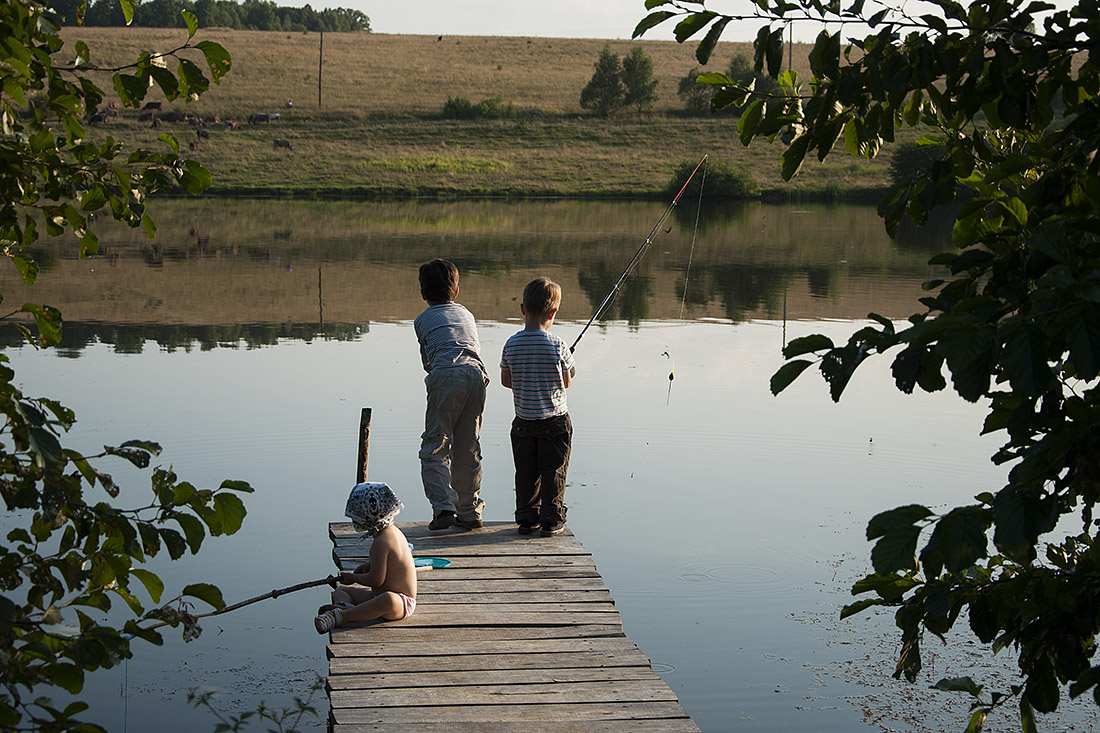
194,145
152,105
156,123
145,116
280,143
201,133
264,117
232,125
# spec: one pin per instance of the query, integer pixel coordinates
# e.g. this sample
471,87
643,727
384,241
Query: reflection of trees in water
75,337
715,217
631,304
742,288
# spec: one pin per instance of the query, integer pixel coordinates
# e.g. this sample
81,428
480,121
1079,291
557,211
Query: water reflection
223,274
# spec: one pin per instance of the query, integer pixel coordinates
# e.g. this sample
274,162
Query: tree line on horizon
250,15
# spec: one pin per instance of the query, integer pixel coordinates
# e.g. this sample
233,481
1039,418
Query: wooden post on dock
364,446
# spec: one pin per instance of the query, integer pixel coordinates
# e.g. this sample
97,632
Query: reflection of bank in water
238,278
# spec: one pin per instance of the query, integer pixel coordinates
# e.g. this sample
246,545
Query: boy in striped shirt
538,367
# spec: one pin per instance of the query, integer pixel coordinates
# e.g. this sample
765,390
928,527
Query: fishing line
687,282
637,257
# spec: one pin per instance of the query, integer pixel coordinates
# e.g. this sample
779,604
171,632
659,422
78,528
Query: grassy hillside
376,129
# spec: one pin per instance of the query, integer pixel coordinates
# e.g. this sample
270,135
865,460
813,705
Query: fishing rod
637,257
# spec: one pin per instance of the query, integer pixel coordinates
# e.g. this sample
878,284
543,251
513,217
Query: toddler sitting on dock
385,585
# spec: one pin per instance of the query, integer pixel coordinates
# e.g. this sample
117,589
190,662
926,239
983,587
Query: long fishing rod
637,257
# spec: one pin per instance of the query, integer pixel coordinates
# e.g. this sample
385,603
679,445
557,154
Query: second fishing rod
637,256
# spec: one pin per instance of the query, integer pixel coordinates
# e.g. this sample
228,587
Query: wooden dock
518,634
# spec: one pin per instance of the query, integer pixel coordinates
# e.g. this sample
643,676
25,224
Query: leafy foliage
494,108
72,554
1010,92
641,87
253,15
605,92
721,180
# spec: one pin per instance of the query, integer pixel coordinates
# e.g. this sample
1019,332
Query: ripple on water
740,579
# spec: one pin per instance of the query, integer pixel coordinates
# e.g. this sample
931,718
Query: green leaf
48,320
958,540
194,178
68,677
787,374
959,684
1083,340
692,24
750,121
794,155
192,529
853,608
217,58
896,550
26,267
206,593
1027,717
903,516
977,720
93,199
242,486
192,23
230,511
706,46
806,345
127,10
1020,516
152,582
1024,359
650,21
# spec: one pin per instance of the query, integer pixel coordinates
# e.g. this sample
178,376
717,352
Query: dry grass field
376,129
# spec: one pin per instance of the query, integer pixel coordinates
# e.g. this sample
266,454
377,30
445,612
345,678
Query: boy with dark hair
450,451
538,367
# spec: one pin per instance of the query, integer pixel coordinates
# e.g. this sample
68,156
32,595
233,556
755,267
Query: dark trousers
541,452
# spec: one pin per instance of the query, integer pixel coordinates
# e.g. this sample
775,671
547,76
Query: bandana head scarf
372,507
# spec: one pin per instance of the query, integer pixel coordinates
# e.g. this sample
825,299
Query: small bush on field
911,161
722,180
461,108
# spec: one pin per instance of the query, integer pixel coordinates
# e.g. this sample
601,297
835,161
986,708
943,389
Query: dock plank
518,633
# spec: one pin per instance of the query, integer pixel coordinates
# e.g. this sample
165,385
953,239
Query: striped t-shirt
448,337
536,359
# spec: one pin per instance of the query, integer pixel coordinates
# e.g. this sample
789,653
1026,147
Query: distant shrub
695,96
605,92
461,108
722,181
913,161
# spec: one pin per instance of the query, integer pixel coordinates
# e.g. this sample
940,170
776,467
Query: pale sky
559,18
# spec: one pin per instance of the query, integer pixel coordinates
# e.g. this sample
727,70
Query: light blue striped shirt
536,359
448,337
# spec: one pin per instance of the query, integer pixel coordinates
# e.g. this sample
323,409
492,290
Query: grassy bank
376,129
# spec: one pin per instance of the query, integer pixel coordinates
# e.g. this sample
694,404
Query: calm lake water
728,523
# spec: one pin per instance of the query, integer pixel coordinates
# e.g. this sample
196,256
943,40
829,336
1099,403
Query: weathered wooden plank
440,583
480,560
488,618
521,597
447,634
399,716
458,662
502,553
515,646
514,573
488,677
669,725
489,603
563,693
